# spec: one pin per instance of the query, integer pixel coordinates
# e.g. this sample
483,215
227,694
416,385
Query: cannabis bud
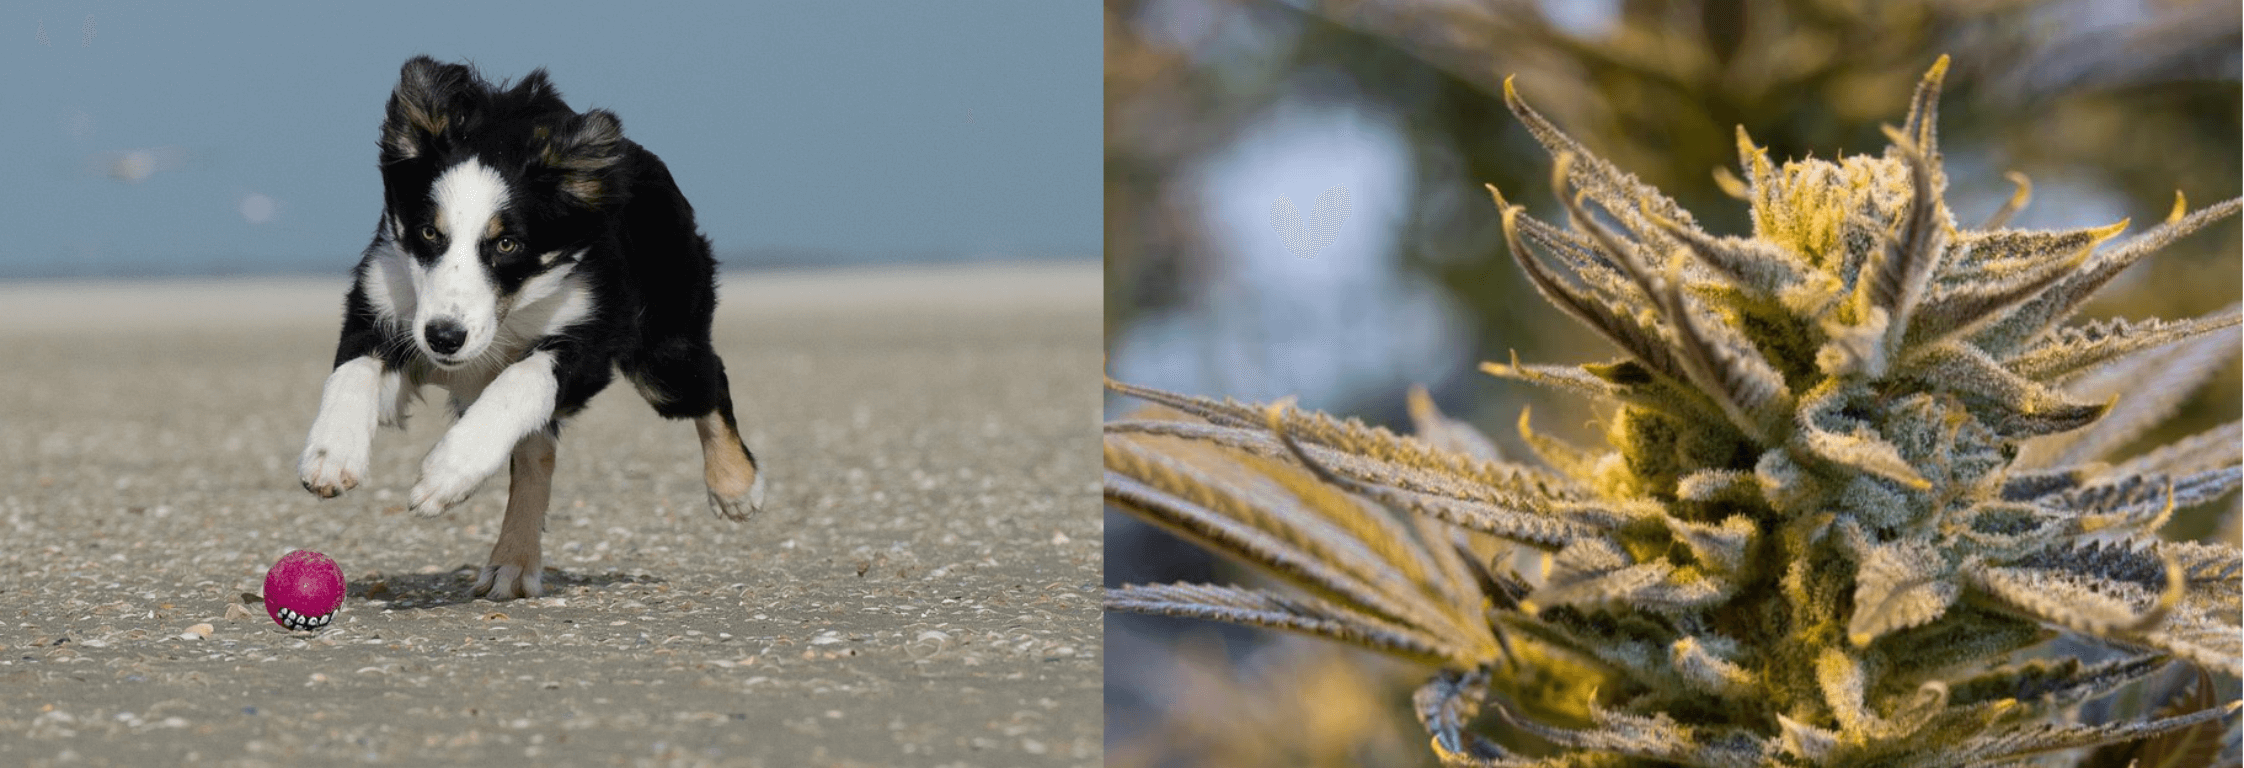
1852,487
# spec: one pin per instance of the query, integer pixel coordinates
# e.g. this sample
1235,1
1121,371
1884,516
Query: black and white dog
526,252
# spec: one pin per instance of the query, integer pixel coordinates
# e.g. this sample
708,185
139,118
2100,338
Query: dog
526,254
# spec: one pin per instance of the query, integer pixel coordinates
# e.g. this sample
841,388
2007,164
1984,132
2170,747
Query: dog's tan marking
725,465
585,155
416,85
492,228
440,220
517,561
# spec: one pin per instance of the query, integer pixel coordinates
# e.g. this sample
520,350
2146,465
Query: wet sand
921,588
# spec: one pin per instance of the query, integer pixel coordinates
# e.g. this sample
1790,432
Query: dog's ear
427,101
537,88
583,154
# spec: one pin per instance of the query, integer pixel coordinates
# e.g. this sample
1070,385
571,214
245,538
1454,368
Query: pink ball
304,590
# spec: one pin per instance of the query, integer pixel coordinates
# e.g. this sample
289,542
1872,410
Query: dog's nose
445,335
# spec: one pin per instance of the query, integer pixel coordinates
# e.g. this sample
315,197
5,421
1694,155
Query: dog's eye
430,234
509,245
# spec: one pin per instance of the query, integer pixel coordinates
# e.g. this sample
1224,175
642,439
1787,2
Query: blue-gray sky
147,137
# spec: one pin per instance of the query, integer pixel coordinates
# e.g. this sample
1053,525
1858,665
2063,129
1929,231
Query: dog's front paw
330,467
510,580
444,482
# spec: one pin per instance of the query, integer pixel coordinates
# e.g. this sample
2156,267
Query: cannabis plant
1852,494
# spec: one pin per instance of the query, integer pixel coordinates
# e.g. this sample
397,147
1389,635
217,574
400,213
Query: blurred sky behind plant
178,138
1217,107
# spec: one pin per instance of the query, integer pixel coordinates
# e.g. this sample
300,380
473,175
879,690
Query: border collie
526,253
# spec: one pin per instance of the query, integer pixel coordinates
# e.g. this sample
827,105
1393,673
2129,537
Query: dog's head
494,192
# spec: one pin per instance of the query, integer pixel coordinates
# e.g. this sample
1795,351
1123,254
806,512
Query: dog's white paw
330,467
445,481
507,581
739,508
342,435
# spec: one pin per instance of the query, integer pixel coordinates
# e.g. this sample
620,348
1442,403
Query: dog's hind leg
517,562
687,381
736,488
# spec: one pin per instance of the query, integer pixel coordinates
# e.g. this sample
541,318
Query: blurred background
1215,109
149,138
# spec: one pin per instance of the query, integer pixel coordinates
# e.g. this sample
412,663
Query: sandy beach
921,588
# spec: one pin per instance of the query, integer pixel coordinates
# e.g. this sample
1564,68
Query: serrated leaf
2094,592
1654,737
1899,275
2069,352
1722,547
1828,434
1720,484
1630,256
1760,267
1924,109
2208,564
1592,572
2141,502
2053,683
1806,741
1539,490
1729,369
2031,484
1968,304
2118,561
2008,403
1899,585
1580,257
2025,740
2001,255
1263,525
2205,627
2033,318
1524,526
1623,383
1639,336
1293,614
1710,672
1385,538
2148,388
1845,682
1561,377
1418,465
1609,186
1272,553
